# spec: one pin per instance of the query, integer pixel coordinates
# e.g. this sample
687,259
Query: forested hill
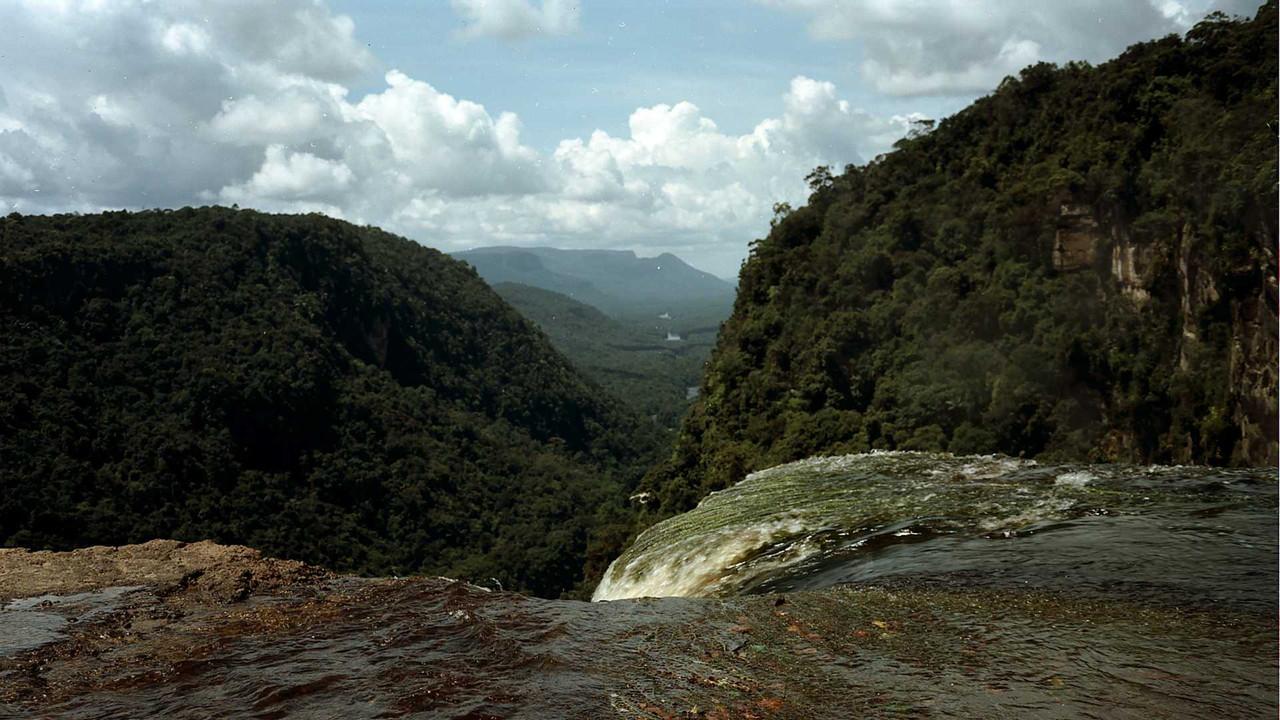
317,390
1081,265
629,357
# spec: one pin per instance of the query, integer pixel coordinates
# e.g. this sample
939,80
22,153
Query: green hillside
313,389
1080,265
630,357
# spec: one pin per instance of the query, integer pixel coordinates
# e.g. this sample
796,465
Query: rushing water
29,623
897,585
1195,534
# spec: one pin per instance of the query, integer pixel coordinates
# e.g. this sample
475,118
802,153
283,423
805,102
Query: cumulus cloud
182,103
678,172
516,19
131,103
135,104
948,47
288,175
674,181
441,142
289,116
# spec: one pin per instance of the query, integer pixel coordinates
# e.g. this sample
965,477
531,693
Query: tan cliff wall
1253,372
1141,269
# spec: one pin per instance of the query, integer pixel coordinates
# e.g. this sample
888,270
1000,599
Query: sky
655,126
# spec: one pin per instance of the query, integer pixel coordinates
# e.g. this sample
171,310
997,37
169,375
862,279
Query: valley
643,328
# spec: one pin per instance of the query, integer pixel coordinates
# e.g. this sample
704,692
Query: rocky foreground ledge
202,571
167,629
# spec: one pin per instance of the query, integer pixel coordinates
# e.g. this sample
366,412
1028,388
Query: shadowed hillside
324,392
630,357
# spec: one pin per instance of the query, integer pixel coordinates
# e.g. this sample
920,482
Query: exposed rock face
216,572
1080,239
1197,290
1253,376
1137,267
1130,266
1075,244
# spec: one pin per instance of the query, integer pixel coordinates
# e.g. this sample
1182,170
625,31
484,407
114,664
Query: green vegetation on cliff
315,390
1080,265
629,356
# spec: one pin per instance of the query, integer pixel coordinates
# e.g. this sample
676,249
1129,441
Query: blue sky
654,126
730,58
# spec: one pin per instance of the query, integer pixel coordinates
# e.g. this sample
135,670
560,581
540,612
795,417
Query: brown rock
227,573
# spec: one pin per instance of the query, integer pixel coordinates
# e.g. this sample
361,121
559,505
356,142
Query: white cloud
116,103
441,142
1012,56
289,116
673,182
677,176
185,38
948,47
13,177
182,103
133,103
288,175
516,19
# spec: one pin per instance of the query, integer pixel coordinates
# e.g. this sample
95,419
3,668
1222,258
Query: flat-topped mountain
615,281
324,392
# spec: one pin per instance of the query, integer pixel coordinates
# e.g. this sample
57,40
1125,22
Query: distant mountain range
616,281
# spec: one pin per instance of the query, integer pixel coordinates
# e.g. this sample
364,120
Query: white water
697,566
801,519
781,517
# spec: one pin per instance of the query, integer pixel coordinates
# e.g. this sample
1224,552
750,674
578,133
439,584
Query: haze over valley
641,327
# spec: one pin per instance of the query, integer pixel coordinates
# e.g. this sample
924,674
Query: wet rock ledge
205,571
167,629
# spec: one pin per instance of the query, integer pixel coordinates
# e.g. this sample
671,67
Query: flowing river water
880,585
1162,534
